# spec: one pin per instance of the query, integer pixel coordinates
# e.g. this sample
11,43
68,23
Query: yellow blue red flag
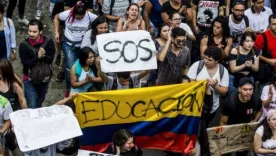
162,117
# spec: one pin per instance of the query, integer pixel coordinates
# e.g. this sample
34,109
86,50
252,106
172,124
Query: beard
238,18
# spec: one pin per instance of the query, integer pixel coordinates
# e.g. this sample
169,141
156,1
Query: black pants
21,8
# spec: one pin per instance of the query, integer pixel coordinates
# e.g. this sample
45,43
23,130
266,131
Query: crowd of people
228,43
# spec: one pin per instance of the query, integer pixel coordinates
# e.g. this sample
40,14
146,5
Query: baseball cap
238,2
245,80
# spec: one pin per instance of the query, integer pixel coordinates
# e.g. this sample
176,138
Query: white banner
126,51
91,153
36,128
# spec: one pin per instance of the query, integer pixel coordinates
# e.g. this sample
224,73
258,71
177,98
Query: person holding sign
241,107
123,144
264,139
123,80
132,20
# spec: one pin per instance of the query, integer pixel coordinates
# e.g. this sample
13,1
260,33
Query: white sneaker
23,21
38,15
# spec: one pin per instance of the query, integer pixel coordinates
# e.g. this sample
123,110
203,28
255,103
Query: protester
241,106
5,123
175,22
265,42
180,6
21,10
98,26
114,11
83,73
7,36
264,142
230,3
238,23
204,12
217,35
217,76
123,80
124,144
258,15
269,97
34,50
132,20
11,86
152,15
244,60
77,22
174,58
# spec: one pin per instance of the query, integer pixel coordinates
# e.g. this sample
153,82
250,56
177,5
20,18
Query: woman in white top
83,73
265,136
77,22
269,97
132,20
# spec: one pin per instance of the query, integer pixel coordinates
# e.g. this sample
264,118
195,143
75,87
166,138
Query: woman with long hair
159,42
243,60
217,35
83,73
77,21
11,89
123,144
132,20
265,135
98,26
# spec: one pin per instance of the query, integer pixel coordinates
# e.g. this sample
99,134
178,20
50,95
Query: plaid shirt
173,66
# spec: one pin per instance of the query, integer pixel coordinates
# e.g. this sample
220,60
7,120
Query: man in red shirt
271,40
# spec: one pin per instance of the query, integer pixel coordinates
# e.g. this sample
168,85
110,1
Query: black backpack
265,71
112,5
42,72
115,84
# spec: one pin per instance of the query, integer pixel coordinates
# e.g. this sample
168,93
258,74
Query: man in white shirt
258,16
216,75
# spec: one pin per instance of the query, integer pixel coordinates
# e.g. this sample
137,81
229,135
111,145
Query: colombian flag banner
162,117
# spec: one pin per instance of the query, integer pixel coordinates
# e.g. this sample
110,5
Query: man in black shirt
241,107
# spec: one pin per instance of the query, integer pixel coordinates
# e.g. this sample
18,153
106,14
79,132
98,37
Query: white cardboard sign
126,51
37,128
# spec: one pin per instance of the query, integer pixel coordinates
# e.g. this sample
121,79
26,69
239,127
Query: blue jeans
35,94
71,54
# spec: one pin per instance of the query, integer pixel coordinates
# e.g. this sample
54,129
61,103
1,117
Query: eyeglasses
181,41
176,19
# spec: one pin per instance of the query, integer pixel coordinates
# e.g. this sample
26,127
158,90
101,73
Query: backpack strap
246,20
78,68
8,22
200,66
111,6
264,50
221,71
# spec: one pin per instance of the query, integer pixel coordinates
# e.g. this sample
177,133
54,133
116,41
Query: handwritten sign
231,138
36,128
91,153
126,51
